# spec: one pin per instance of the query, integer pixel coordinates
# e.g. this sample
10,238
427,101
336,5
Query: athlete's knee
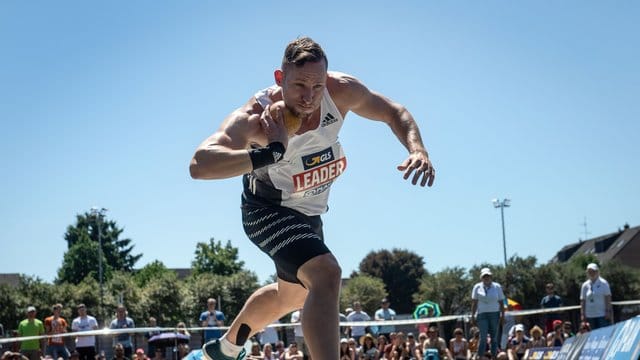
322,271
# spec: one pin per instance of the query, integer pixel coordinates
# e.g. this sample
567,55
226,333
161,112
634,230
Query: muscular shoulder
346,90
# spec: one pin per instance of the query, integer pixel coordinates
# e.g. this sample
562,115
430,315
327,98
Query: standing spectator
55,325
385,313
537,339
85,345
487,299
296,318
519,344
595,299
357,315
458,345
122,321
151,347
269,335
31,327
550,301
212,318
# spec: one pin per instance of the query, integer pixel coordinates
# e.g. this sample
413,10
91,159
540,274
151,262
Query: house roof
10,279
605,248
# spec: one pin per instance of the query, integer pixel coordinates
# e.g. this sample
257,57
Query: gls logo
318,158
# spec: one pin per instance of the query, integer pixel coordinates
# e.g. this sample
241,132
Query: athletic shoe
212,351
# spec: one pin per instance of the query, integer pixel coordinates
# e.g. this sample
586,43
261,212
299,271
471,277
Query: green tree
80,262
400,270
214,258
162,299
366,289
230,291
450,288
152,270
11,308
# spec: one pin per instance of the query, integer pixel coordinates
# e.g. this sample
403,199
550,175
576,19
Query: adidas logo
276,156
328,120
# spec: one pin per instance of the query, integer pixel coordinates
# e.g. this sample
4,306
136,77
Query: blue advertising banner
596,343
549,353
625,342
572,347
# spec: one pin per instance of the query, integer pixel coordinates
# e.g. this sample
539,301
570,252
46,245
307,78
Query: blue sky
103,103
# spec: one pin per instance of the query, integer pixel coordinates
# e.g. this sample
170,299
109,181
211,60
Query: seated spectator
368,349
255,353
353,345
435,343
557,337
293,353
280,350
267,352
458,345
568,328
400,350
518,345
159,354
346,353
118,352
584,327
183,350
181,328
536,340
474,341
140,355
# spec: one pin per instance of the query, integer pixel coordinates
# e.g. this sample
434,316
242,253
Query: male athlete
286,187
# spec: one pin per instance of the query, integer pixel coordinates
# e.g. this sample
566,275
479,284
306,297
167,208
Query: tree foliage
366,289
450,288
214,258
81,258
400,270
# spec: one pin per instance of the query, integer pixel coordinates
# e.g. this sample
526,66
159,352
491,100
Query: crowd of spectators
357,342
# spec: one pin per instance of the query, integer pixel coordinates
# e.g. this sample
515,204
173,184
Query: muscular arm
356,97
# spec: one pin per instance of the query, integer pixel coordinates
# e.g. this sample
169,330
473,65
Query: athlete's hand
419,164
274,127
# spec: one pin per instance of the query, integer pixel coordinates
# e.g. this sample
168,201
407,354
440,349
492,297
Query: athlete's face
303,86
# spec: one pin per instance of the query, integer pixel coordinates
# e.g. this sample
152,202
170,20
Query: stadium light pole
99,213
497,203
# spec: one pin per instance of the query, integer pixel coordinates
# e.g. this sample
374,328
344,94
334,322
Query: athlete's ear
278,75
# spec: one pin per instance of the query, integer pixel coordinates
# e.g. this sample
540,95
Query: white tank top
312,162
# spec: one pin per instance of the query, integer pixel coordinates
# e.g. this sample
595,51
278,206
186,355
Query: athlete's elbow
196,169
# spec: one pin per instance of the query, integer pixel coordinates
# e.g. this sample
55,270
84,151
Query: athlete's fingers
405,163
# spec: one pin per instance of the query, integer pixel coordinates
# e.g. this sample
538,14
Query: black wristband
267,155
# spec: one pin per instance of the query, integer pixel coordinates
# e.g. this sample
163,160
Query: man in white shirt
85,345
595,299
357,315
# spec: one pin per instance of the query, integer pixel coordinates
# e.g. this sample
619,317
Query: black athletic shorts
288,236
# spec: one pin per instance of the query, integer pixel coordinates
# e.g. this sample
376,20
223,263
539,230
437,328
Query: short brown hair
303,50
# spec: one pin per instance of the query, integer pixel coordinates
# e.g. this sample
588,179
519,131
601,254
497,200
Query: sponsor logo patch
317,159
319,175
328,120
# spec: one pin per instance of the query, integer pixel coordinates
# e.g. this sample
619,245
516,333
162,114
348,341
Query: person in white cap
518,345
487,299
595,299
